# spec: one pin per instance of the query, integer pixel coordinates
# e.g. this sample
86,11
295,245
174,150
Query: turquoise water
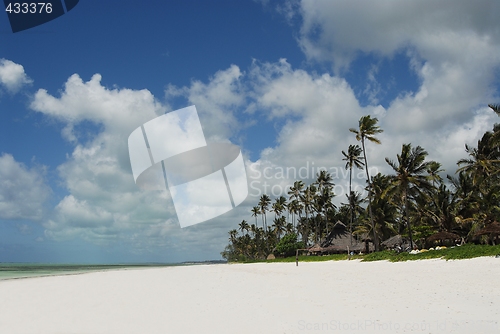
24,270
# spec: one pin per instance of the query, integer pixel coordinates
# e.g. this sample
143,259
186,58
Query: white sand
430,296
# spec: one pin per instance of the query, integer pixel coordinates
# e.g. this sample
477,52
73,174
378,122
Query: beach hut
492,230
443,238
392,242
338,241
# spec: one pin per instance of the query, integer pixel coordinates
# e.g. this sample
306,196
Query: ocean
26,270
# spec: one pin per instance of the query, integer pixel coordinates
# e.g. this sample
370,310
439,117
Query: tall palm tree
324,195
410,179
296,190
255,213
295,208
244,226
434,170
264,202
279,206
483,161
307,199
352,158
368,128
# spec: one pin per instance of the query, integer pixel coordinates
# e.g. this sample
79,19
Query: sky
282,80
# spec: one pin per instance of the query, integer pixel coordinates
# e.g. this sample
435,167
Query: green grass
467,251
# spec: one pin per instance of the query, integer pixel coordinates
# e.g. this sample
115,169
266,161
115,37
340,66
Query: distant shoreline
13,270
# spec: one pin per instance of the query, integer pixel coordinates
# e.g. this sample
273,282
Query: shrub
288,245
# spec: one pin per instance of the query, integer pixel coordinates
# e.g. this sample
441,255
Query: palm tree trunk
350,203
408,219
375,238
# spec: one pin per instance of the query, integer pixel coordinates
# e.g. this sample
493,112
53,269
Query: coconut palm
244,226
294,207
410,178
368,128
307,199
296,190
264,204
352,158
433,171
279,206
483,161
255,213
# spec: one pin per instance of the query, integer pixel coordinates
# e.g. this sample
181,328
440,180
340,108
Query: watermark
26,14
371,325
277,180
204,180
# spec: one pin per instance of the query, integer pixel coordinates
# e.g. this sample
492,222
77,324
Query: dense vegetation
414,201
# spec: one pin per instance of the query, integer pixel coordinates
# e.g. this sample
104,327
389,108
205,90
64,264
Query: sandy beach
428,296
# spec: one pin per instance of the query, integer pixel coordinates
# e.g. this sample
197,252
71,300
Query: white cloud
453,47
23,191
103,201
103,204
337,30
12,75
217,102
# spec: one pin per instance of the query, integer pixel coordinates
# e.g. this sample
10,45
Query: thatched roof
338,244
393,241
491,228
315,248
443,235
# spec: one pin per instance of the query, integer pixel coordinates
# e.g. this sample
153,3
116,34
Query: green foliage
414,201
466,251
288,245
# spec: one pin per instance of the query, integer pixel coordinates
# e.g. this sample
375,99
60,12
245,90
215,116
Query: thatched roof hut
339,240
490,229
442,236
394,241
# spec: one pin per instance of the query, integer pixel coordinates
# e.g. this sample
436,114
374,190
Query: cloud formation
12,75
23,191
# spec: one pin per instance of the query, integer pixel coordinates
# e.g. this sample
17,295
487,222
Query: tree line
413,201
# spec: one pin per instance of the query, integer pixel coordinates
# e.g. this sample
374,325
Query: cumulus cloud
218,102
103,204
453,47
103,200
23,191
12,75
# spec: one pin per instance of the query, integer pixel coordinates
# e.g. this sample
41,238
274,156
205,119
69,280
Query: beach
425,296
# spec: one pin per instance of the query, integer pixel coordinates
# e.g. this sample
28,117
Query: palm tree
296,190
409,179
279,226
244,226
255,213
264,204
352,158
367,130
433,171
483,161
295,208
307,198
279,206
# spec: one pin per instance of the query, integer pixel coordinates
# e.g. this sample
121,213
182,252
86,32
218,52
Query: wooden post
297,255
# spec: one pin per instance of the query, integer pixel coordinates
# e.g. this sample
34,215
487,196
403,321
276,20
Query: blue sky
283,80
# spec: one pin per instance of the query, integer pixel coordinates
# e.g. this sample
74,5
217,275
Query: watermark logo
27,14
204,180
